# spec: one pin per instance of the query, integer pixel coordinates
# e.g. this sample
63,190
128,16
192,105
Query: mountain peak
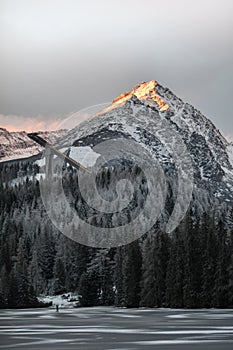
144,91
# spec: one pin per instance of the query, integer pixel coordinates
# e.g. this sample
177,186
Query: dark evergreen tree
176,272
209,261
89,289
132,275
154,267
221,292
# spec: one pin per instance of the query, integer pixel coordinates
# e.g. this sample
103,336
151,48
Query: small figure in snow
57,308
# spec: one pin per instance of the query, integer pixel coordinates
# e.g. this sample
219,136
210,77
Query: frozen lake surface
106,328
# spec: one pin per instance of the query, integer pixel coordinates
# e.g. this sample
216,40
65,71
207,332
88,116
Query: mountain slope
15,145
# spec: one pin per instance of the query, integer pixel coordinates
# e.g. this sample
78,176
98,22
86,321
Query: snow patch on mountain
83,155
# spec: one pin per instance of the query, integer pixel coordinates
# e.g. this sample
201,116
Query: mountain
152,116
140,115
189,267
16,145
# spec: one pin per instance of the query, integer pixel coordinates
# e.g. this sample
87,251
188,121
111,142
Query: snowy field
105,328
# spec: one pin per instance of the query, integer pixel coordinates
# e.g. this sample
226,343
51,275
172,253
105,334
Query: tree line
191,268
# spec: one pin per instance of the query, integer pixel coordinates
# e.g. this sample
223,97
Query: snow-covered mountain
15,145
136,115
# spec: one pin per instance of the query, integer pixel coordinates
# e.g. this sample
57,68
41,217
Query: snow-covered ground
66,300
108,328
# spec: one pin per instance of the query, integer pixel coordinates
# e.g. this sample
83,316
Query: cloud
61,56
20,123
45,123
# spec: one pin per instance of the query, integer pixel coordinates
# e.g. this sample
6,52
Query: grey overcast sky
59,56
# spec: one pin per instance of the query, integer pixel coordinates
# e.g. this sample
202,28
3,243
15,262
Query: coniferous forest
191,268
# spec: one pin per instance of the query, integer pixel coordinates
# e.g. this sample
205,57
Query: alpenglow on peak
145,91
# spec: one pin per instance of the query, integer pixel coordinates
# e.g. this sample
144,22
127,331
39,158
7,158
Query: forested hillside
191,268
